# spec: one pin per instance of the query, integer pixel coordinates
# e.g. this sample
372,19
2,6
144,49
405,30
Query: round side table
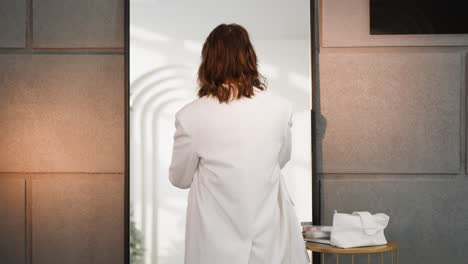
323,249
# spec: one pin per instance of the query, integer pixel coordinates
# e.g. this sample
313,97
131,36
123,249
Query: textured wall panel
13,23
427,218
78,219
70,23
12,221
346,23
391,112
62,113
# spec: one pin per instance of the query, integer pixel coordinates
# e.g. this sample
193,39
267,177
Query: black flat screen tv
418,17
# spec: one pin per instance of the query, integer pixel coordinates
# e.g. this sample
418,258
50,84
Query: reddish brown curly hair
229,65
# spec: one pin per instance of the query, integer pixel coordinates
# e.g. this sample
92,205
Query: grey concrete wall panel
427,218
62,113
391,112
72,24
78,219
12,221
13,23
346,24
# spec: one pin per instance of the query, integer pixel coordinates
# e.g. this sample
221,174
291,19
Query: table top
325,248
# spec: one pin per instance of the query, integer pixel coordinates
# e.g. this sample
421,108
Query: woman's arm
285,152
184,158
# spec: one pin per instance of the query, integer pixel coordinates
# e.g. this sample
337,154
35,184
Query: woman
229,147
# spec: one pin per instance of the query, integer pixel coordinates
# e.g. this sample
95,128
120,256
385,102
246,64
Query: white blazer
230,156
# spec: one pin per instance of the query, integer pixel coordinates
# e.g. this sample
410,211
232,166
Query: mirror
166,38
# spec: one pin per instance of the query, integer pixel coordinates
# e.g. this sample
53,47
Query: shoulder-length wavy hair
228,65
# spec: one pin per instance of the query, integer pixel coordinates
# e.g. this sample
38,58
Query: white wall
163,63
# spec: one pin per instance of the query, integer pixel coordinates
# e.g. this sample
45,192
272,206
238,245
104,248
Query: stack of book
319,234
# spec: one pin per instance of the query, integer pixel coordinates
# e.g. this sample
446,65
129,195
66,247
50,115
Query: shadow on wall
150,97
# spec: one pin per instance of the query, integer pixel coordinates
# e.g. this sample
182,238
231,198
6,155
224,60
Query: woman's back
230,155
238,145
234,173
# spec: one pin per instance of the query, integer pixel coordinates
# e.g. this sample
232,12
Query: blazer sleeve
184,162
285,151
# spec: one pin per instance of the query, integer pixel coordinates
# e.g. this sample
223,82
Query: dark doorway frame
315,114
127,132
315,84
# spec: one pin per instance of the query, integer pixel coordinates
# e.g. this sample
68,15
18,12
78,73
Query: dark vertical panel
315,112
315,92
464,100
127,133
12,221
